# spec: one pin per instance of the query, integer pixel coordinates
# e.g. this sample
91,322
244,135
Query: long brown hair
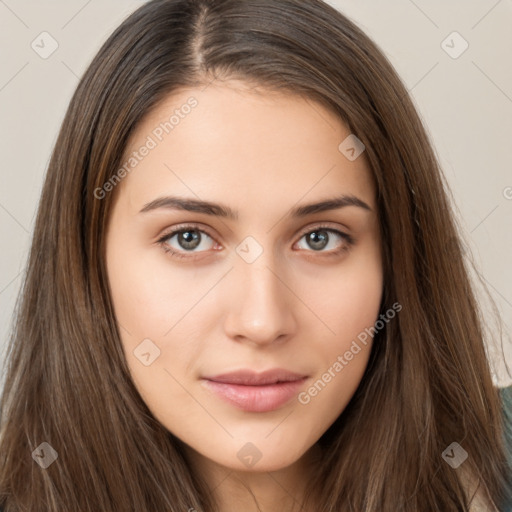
428,382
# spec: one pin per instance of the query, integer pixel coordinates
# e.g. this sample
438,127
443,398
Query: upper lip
250,377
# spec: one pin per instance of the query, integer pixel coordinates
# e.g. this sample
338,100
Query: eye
190,239
187,239
322,237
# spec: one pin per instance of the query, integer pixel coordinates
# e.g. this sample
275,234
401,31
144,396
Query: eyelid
184,227
322,225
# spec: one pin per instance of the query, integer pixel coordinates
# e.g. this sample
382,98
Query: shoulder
470,483
506,398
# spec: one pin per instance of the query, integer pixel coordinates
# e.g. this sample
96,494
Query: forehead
229,141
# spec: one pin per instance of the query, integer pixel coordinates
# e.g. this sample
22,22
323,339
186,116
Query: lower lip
256,398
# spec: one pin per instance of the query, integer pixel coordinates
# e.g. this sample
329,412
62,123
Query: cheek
342,357
347,299
150,295
152,302
348,304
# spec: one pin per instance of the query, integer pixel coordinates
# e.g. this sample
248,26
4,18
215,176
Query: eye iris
189,239
318,239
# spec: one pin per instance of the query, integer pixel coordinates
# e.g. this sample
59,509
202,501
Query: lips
256,392
251,378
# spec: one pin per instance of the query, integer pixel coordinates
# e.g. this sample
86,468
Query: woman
246,289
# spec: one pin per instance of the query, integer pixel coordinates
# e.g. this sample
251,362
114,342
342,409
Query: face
238,302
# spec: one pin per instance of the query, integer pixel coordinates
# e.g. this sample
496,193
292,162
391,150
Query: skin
294,307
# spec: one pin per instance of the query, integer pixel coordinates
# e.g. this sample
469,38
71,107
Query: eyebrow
219,210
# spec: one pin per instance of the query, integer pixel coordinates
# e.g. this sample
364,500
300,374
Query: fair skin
297,306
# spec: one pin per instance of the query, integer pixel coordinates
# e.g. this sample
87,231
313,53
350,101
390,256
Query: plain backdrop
454,57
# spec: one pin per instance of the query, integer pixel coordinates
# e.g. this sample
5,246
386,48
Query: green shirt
506,396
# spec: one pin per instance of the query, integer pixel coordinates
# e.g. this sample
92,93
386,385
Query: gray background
466,103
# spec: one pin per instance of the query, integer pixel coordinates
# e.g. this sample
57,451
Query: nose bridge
261,307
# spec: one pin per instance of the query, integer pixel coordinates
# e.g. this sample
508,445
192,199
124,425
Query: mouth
256,392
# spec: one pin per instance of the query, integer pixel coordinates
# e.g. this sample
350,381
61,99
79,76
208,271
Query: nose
261,304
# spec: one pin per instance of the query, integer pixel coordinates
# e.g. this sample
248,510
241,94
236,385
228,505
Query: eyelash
162,241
